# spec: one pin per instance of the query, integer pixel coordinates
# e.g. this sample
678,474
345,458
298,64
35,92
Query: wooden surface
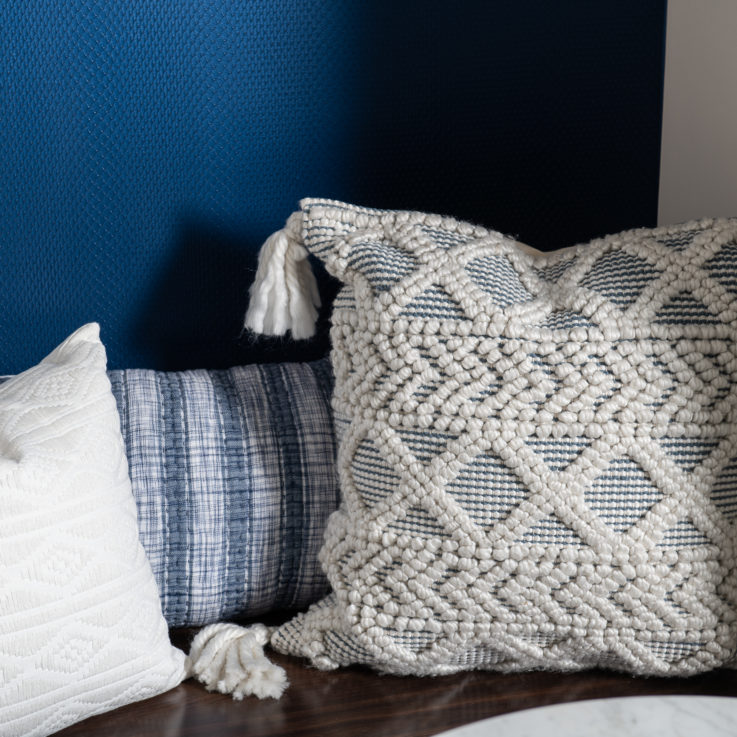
359,703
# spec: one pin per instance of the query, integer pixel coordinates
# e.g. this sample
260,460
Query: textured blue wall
148,147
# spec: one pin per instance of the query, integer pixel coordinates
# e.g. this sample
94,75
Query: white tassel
284,294
230,659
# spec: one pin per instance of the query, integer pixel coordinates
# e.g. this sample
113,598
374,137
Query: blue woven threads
237,502
276,389
234,477
175,495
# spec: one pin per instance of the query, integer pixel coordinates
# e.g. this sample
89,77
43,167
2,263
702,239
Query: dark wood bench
356,702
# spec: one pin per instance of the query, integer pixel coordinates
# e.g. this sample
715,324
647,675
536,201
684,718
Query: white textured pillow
537,453
81,629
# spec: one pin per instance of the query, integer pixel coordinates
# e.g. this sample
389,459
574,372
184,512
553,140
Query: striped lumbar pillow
234,477
538,452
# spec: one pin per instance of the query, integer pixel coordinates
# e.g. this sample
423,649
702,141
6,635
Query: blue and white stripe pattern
234,476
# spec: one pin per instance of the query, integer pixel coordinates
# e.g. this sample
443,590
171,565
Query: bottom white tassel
230,659
284,294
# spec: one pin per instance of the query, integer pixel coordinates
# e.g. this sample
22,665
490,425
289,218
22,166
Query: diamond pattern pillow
538,452
81,630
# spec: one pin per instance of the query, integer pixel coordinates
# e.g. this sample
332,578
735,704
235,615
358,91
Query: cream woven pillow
538,452
81,629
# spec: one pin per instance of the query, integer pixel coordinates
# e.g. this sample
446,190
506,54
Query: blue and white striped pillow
234,476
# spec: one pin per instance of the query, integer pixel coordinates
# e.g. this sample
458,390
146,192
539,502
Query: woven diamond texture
538,452
81,630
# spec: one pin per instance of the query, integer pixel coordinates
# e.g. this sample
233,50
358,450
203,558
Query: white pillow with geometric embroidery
81,629
538,452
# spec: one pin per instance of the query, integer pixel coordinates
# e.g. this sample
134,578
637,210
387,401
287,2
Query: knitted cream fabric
81,629
538,453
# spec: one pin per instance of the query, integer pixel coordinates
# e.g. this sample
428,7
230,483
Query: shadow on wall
539,120
194,317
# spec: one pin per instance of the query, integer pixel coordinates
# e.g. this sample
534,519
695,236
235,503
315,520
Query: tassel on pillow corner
284,296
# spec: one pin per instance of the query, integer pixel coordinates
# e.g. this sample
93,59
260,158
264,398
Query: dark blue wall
149,147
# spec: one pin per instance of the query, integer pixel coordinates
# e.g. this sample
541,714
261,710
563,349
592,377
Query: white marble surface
636,716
